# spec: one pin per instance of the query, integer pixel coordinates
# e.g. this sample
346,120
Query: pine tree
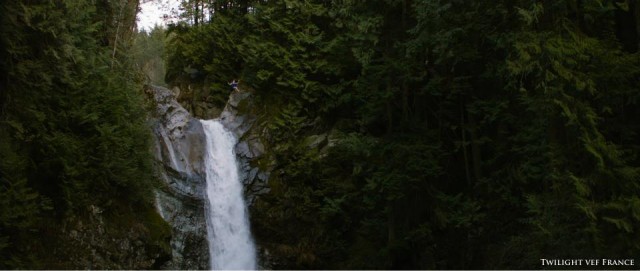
73,125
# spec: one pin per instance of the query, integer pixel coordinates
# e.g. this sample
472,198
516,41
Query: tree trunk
464,144
389,110
196,13
476,154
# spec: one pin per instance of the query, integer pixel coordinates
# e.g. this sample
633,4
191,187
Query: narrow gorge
366,135
186,154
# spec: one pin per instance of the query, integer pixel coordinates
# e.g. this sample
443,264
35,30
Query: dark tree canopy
400,134
461,134
73,132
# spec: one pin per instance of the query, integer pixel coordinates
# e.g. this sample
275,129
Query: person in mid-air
234,84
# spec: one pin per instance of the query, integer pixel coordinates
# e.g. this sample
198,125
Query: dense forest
440,134
75,163
399,134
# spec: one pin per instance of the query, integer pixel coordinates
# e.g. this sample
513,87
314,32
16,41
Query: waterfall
230,242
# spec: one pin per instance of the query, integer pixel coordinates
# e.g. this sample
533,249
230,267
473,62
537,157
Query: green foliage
567,79
148,51
72,121
206,56
457,134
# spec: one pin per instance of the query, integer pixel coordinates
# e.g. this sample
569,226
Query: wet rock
179,152
249,147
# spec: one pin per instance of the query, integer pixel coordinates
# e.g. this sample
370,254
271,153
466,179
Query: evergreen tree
453,135
73,131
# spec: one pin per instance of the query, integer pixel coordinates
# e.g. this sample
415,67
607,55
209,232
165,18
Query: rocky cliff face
107,240
249,147
192,99
237,117
179,151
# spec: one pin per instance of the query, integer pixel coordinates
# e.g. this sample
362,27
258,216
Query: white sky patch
158,12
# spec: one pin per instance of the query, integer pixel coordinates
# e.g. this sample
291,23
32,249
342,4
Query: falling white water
230,242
